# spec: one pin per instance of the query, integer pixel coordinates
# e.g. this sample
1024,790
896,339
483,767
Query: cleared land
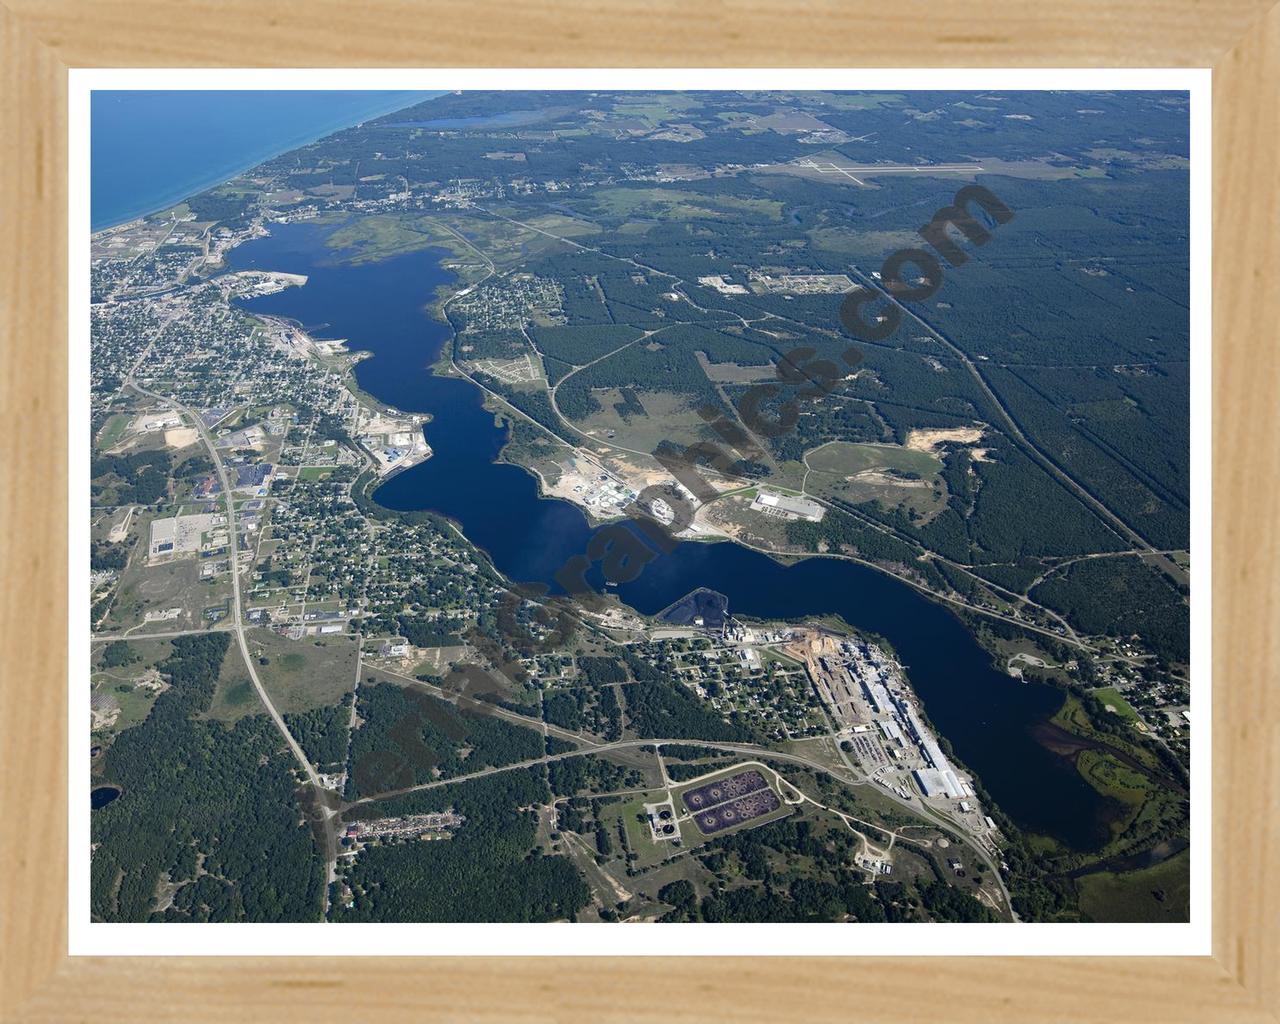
1160,893
888,473
304,674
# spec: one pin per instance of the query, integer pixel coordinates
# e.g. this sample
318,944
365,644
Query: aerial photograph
639,507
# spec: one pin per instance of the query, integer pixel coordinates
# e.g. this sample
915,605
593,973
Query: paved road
103,638
1015,430
591,746
323,794
237,618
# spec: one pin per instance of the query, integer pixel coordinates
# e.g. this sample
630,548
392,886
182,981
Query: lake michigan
152,149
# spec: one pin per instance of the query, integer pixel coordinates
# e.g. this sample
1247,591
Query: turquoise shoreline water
152,149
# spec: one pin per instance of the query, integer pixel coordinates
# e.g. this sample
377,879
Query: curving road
591,746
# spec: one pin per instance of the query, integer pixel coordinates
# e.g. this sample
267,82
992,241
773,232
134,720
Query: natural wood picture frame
41,39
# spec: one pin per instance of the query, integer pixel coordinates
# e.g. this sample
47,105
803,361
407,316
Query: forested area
140,478
536,404
580,345
408,736
1147,506
421,631
572,775
488,871
661,709
104,556
322,734
801,874
839,531
117,654
232,210
210,809
591,708
1015,576
654,366
1119,597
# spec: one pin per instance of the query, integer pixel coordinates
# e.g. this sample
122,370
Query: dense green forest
594,709
660,709
140,478
322,734
408,736
1120,597
488,871
209,809
424,632
573,775
800,874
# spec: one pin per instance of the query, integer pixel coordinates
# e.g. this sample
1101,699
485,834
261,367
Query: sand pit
929,440
181,437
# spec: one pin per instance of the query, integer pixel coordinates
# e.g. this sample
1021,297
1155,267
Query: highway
1069,636
1118,525
592,746
237,610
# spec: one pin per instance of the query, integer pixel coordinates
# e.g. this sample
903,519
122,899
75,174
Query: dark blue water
987,716
100,796
150,149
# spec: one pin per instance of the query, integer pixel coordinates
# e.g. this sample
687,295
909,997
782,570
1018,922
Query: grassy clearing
892,475
304,674
844,458
233,695
148,654
659,109
1111,697
565,227
368,239
673,204
1075,719
113,430
1157,894
134,704
1149,810
175,584
1111,778
668,416
631,814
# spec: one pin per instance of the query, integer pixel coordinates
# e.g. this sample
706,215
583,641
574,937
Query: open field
671,204
113,430
172,595
1160,893
732,373
1111,697
886,473
368,239
124,693
843,458
630,814
734,516
234,695
304,674
667,416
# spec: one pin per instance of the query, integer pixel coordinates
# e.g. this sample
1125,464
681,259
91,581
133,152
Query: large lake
989,718
152,148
